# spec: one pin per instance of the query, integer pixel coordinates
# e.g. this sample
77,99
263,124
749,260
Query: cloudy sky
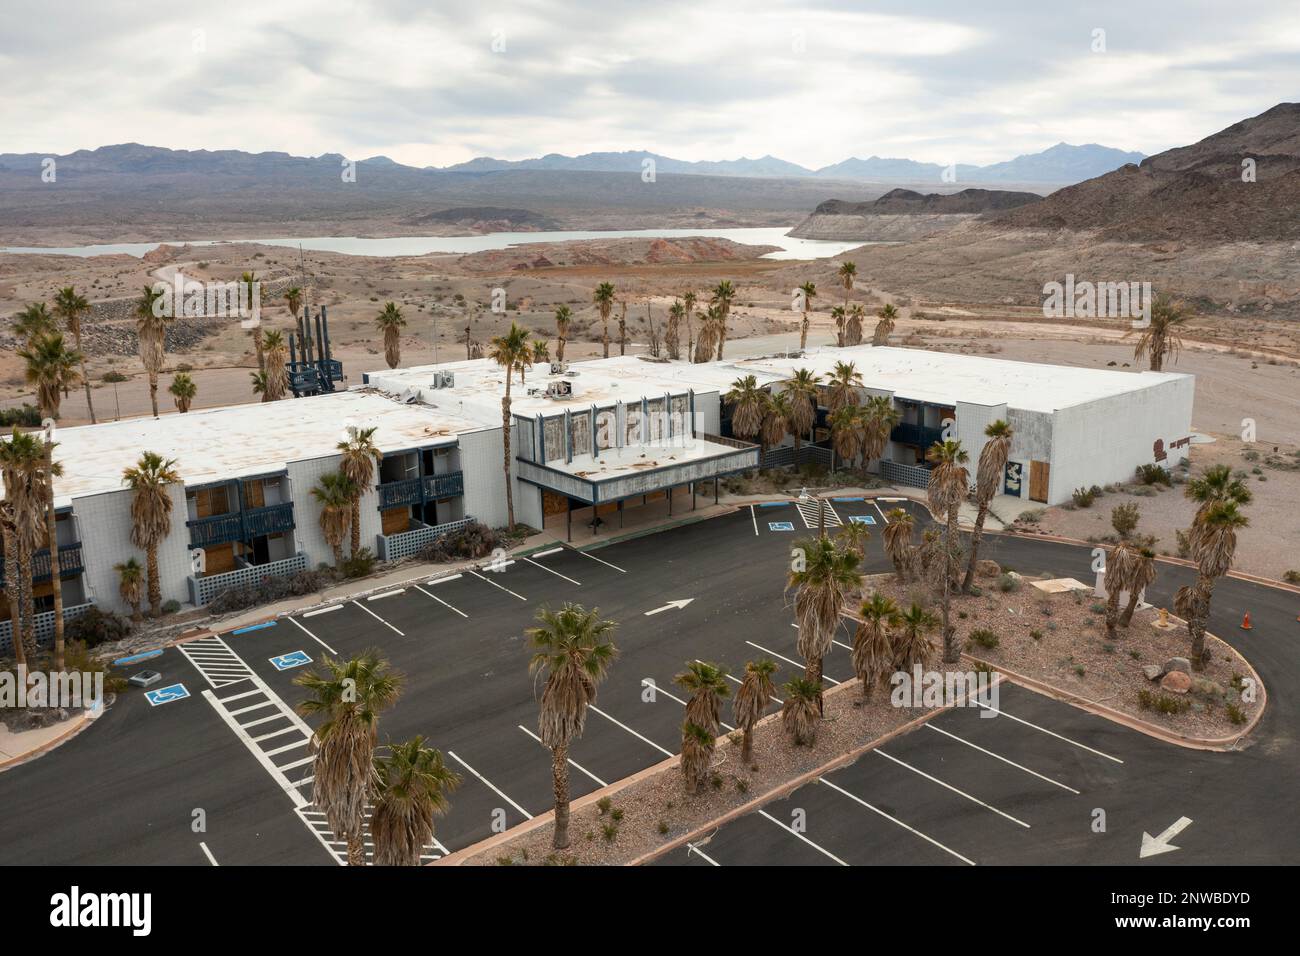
433,82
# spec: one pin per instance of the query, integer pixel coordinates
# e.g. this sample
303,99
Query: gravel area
1060,639
656,809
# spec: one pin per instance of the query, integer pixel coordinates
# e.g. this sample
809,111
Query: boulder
1180,664
1153,671
1176,682
987,569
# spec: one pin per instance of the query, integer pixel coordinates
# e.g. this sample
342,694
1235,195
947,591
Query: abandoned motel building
589,440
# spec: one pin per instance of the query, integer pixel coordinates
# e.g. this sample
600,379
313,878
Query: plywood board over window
396,520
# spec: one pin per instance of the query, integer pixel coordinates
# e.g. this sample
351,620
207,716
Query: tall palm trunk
155,586
975,546
356,850
12,593
52,532
747,746
356,524
1127,617
505,443
85,379
951,650
803,332
560,784
1198,620
153,391
28,599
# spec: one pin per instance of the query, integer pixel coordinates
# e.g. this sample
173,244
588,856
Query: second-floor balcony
70,562
240,525
414,491
921,436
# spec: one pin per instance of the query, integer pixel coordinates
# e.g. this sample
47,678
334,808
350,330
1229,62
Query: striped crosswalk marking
213,658
810,511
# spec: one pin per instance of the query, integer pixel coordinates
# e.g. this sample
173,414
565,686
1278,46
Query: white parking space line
556,573
667,753
754,517
497,586
262,720
244,710
572,763
275,733
796,833
547,553
297,763
787,660
247,693
386,594
313,636
449,577
1051,733
208,853
735,679
488,783
948,786
692,848
287,747
1032,773
928,839
323,610
594,558
649,682
379,619
439,600
879,512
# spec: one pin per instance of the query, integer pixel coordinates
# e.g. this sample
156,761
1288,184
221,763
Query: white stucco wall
105,525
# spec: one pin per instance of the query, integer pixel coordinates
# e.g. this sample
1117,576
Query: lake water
790,248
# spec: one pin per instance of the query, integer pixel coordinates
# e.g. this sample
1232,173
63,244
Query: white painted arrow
1157,845
670,605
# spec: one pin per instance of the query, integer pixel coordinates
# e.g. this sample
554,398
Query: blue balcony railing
394,494
919,435
240,525
415,491
70,562
444,486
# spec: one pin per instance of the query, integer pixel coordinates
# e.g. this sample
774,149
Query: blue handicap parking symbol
165,695
862,519
780,525
292,659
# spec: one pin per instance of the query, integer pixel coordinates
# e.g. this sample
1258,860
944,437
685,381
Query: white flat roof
636,458
217,444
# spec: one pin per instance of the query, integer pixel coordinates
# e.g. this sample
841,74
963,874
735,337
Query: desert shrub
1124,518
1032,516
27,416
1184,539
96,626
983,637
78,659
360,564
171,607
273,587
1008,583
1166,704
112,377
1292,577
1083,497
1236,714
475,540
1036,634
1154,475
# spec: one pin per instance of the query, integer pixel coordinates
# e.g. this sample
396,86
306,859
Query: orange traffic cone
1245,622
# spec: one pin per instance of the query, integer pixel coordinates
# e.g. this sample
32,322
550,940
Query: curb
79,724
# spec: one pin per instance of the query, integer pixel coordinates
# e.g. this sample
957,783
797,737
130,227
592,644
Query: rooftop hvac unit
561,389
557,368
444,379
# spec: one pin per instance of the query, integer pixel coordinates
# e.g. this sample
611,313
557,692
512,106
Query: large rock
1153,671
987,569
1176,682
1179,664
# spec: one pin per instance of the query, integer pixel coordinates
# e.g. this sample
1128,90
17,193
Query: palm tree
1161,338
349,696
151,513
822,588
673,335
23,470
802,390
949,485
70,307
809,290
853,326
854,537
358,457
51,367
604,299
802,709
276,355
842,388
1142,574
151,330
574,653
708,687
988,480
1216,485
697,755
563,315
261,384
13,583
709,331
249,281
846,434
293,301
34,322
776,420
509,351
183,390
541,353
622,327
723,293
1119,573
51,470
886,315
747,402
899,525
130,585
391,323
334,493
755,692
879,416
839,313
1214,544
688,306
913,646
873,652
411,787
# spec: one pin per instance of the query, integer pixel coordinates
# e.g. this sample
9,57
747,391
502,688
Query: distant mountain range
1059,164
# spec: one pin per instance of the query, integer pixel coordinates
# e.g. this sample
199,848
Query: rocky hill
904,214
1202,191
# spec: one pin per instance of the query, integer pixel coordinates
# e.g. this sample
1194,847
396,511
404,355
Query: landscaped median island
1057,637
634,817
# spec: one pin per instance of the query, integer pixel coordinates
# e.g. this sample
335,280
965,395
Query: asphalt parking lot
234,748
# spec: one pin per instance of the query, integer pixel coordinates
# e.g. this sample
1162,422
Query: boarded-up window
581,435
396,520
554,437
